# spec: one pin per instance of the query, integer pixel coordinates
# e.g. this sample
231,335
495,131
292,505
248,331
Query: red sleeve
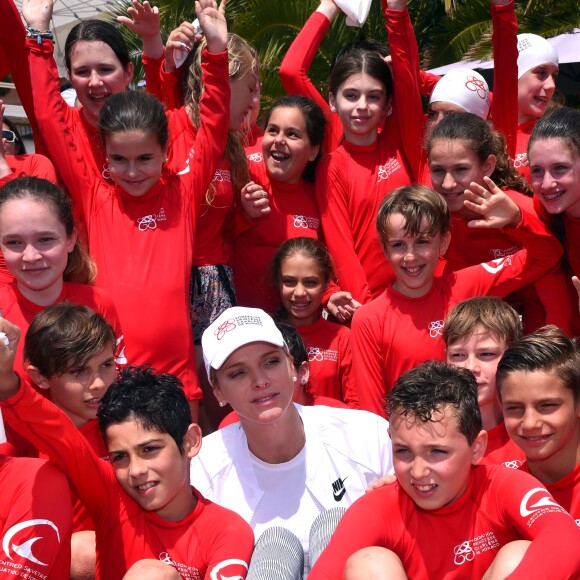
35,520
12,40
427,82
51,431
152,68
32,164
332,201
367,369
554,294
407,104
349,390
369,521
169,87
529,507
504,104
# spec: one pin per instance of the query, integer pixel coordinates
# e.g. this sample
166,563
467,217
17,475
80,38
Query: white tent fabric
567,45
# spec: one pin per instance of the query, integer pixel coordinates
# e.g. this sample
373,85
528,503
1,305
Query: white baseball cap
465,88
236,327
533,51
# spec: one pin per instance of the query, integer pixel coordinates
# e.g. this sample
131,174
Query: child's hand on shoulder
255,201
495,207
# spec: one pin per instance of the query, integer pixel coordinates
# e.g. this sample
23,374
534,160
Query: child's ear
478,447
314,153
304,373
218,395
444,244
332,102
37,377
489,165
192,440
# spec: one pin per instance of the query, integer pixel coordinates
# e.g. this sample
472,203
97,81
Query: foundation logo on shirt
23,549
149,222
513,464
500,264
256,157
466,551
190,155
521,160
577,523
386,170
536,503
185,571
305,222
436,328
498,253
316,354
229,570
222,175
232,323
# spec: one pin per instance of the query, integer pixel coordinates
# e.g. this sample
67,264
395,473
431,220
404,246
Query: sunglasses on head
10,136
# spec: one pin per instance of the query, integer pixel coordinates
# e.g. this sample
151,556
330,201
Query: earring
222,404
303,382
295,379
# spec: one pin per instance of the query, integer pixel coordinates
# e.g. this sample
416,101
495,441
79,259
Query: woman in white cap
282,464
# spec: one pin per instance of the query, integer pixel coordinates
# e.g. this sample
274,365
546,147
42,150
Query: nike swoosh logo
339,494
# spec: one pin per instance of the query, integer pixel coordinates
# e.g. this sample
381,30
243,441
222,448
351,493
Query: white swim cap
466,89
534,51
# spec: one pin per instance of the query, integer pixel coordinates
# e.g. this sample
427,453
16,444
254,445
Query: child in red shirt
476,334
40,244
302,270
554,155
402,327
538,381
446,516
141,503
463,148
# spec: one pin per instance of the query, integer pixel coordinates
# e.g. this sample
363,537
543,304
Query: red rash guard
208,540
460,540
394,333
143,246
501,450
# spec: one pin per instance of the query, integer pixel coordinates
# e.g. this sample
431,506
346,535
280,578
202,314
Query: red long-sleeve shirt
462,539
143,246
208,540
394,333
35,520
501,450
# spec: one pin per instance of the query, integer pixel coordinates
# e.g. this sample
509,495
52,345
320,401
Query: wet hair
302,246
482,314
479,136
66,336
80,268
314,119
425,391
295,343
366,44
564,124
154,400
548,350
357,61
242,59
97,31
418,205
20,148
134,111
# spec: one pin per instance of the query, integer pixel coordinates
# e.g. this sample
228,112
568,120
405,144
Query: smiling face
257,380
150,468
301,287
135,160
361,103
36,247
433,459
286,147
413,258
542,418
535,91
95,74
453,166
555,176
480,353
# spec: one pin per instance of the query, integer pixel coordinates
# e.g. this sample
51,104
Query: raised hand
495,207
181,38
37,13
212,20
342,305
143,20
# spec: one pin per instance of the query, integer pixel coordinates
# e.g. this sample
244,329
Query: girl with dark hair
39,242
369,164
465,152
302,270
98,64
141,230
